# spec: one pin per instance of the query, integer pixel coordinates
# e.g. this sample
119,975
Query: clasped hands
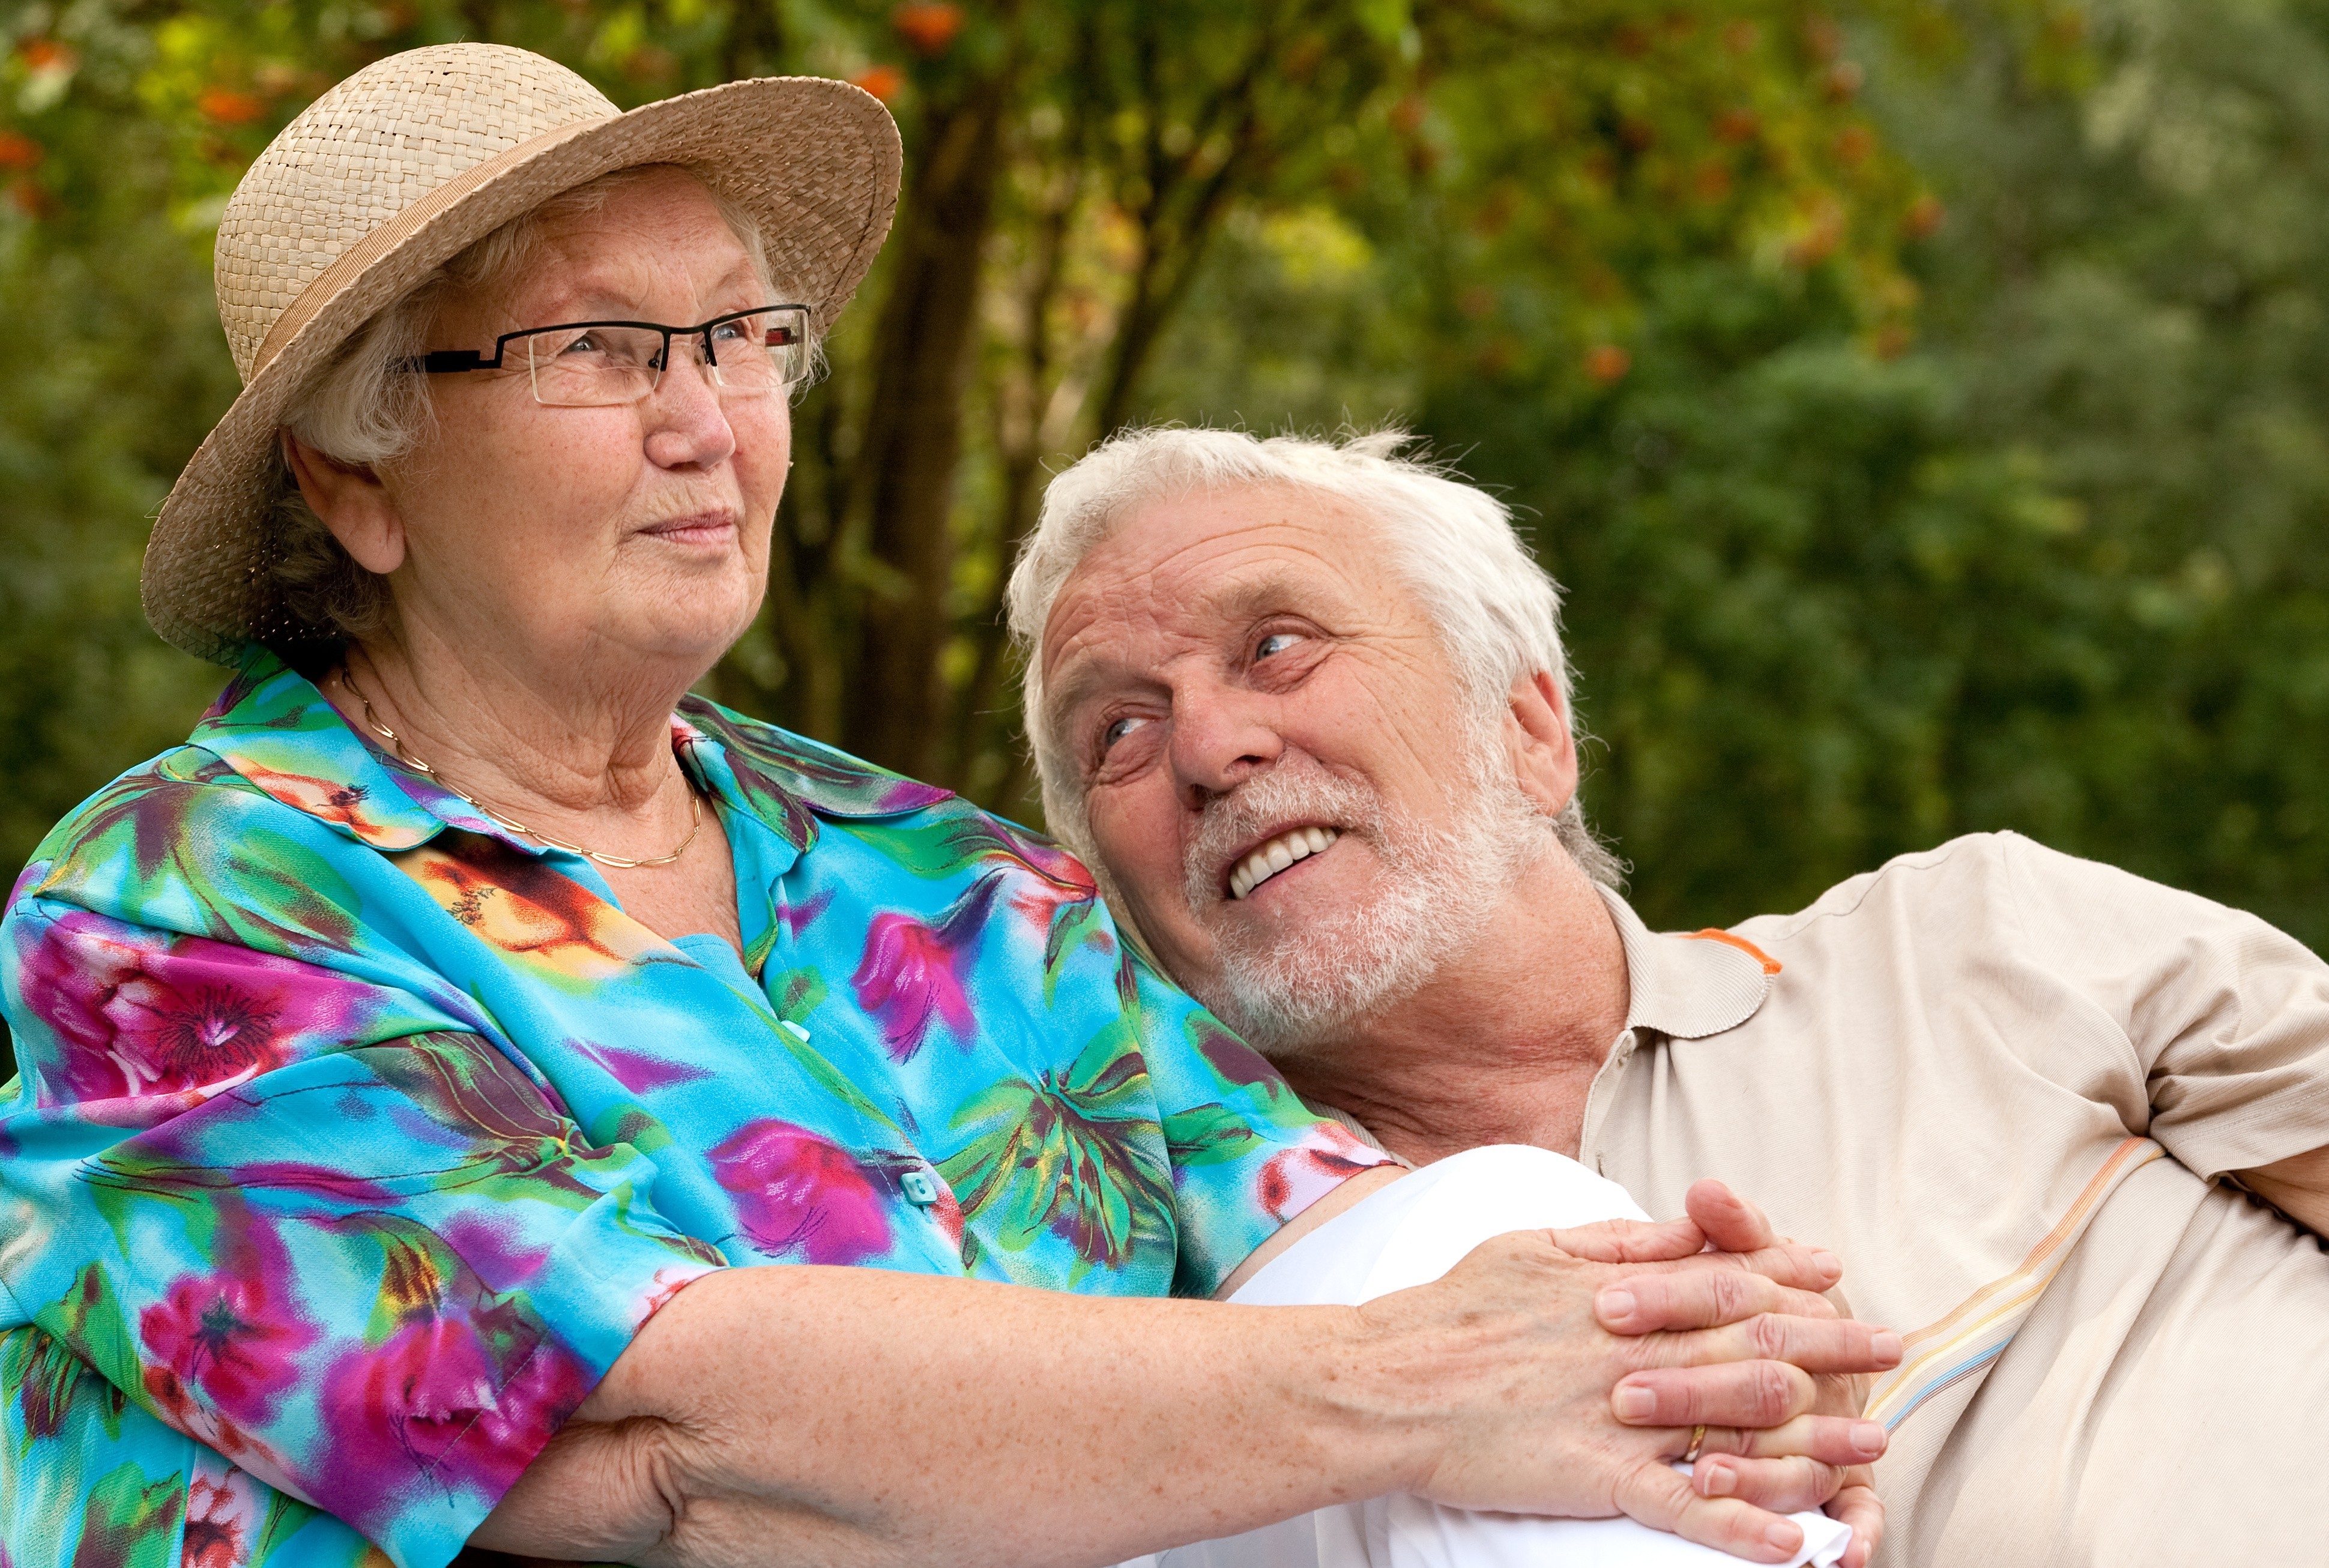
1588,1358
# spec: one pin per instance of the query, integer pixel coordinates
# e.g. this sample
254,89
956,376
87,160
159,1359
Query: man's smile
1273,855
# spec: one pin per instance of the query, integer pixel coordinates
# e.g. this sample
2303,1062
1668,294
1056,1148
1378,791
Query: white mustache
1293,790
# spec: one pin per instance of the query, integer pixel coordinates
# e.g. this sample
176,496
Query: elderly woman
417,1061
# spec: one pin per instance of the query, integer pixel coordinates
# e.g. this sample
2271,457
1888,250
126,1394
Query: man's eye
1276,643
1117,730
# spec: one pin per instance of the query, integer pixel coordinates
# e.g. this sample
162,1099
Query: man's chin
1296,999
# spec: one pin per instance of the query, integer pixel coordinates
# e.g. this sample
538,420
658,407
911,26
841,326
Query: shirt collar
1687,987
280,734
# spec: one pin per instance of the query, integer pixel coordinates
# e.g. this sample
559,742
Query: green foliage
1919,398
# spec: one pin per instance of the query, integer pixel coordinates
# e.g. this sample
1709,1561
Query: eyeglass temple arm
445,361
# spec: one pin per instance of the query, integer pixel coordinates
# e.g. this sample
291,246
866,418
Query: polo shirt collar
1687,987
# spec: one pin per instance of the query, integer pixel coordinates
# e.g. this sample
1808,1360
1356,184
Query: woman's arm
834,1415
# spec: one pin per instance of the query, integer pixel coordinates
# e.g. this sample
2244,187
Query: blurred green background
1923,404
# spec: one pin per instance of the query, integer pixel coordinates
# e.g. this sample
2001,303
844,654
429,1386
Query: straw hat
402,166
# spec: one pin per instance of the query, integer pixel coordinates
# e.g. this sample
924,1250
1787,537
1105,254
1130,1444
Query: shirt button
921,1190
794,1029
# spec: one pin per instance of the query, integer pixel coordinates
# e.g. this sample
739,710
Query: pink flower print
1294,1180
170,1015
906,976
467,1396
798,1195
223,1347
911,973
224,1513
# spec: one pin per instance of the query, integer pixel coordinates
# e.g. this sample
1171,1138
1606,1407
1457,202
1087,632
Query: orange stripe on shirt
1770,965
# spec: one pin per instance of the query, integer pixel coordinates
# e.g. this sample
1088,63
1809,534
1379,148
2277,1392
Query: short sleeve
2227,1017
374,1274
1247,1154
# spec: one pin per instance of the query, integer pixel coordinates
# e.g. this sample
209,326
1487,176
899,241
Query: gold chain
618,862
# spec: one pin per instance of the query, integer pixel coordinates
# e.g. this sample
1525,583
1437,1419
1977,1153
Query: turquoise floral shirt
355,1137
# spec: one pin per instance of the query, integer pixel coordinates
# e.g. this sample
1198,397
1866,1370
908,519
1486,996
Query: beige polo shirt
1999,1083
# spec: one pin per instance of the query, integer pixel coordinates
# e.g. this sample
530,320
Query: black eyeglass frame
453,361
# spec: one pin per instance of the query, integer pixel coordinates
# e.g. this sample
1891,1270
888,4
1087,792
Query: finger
1730,1393
1698,1299
1814,1344
1730,1223
1858,1506
1831,1440
1631,1241
1659,1496
1791,1263
1783,1486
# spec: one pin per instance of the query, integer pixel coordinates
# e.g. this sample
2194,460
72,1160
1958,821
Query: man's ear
353,503
1544,754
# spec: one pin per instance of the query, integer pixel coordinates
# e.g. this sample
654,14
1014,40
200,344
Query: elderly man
1304,706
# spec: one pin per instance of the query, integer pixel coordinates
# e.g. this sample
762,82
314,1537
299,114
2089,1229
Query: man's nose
687,425
1220,740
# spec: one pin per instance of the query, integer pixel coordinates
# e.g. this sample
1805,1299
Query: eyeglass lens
602,365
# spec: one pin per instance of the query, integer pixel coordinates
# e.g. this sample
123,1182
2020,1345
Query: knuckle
1727,1288
1768,1333
1769,1390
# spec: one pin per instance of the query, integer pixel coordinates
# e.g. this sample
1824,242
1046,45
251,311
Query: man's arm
2298,1186
816,1414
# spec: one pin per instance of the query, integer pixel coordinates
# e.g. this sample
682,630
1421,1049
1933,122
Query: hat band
361,256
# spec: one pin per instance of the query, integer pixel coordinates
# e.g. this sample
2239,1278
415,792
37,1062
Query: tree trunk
914,431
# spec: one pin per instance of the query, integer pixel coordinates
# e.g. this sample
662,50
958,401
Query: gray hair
362,409
1496,611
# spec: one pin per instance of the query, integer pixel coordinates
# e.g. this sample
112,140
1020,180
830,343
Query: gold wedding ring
1697,1441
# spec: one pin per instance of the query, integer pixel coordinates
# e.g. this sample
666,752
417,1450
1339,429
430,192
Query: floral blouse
355,1137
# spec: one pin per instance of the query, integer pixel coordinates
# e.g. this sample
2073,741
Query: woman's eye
1117,730
1276,643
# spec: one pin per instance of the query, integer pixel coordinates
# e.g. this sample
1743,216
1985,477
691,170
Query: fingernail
1887,1347
1722,1480
1828,1264
1868,1439
1782,1537
1615,1304
1635,1404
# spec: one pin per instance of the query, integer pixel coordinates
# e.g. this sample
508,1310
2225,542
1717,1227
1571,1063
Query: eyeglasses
599,364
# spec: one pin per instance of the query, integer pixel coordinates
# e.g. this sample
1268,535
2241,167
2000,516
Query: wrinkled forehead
660,237
1176,573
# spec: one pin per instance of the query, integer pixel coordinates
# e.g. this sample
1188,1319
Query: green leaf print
1073,924
50,1383
1077,1155
131,1521
1208,1134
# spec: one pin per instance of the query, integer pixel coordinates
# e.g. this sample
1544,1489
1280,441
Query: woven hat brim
815,162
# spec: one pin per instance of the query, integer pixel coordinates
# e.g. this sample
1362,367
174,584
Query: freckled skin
561,576
1213,634
566,567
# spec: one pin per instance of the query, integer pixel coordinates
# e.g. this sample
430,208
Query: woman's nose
687,424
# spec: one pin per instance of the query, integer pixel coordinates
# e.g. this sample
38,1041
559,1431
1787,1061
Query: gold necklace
618,862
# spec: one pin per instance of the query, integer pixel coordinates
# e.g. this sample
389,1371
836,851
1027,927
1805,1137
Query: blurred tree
1916,396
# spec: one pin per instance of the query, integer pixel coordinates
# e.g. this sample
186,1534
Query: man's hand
1774,1468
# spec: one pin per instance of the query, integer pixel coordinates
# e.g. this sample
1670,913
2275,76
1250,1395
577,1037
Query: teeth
1270,859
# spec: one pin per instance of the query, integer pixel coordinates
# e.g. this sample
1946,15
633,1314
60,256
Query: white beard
1295,987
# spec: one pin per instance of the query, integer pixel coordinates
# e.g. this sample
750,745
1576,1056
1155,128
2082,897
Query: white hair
1496,611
